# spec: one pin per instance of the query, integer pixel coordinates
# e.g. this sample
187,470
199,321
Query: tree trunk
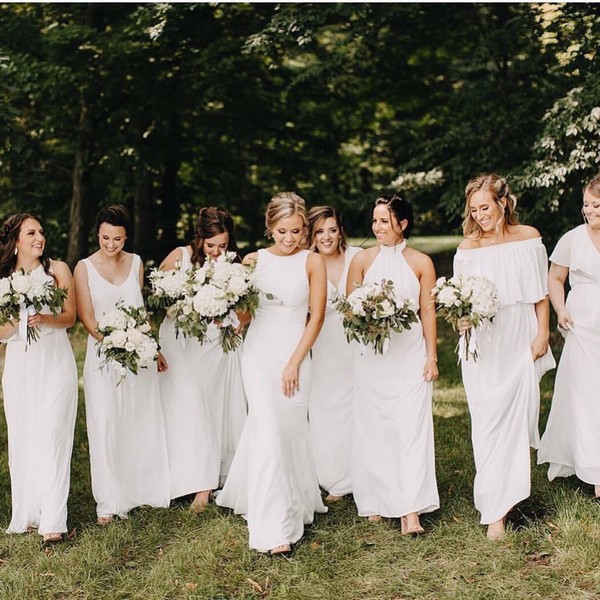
144,237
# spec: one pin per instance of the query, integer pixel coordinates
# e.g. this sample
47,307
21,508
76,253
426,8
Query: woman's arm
539,345
317,280
85,308
245,317
356,272
65,318
557,278
428,317
173,260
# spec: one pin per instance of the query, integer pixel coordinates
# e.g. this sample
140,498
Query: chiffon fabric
571,443
331,402
273,480
40,403
126,430
203,404
502,386
393,460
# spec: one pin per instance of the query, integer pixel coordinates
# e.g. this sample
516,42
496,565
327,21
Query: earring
16,251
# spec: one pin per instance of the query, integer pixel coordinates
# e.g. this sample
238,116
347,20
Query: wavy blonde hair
500,191
593,186
282,206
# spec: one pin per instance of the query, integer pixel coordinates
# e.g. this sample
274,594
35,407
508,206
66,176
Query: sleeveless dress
273,480
126,431
39,384
331,402
393,460
502,387
571,443
203,405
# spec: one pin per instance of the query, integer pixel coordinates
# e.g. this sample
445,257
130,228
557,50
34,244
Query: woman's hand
36,320
564,320
430,371
289,380
161,363
463,324
539,346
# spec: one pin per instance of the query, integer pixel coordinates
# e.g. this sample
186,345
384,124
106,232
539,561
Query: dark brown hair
212,221
401,209
116,215
9,235
319,213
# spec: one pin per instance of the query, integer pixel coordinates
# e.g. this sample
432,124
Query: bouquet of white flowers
128,342
22,295
168,287
220,287
466,297
372,311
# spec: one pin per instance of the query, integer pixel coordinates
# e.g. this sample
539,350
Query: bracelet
432,358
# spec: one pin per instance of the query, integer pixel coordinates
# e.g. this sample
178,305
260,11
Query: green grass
550,552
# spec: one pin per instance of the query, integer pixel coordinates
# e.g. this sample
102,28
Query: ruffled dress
571,441
331,403
502,386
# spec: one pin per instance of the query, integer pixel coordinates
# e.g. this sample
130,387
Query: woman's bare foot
374,518
496,531
49,539
105,520
200,502
410,525
597,491
333,498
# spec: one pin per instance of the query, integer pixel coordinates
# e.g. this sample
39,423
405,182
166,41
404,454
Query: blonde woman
273,481
502,387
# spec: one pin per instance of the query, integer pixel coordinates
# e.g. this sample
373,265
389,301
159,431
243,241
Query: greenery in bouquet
128,342
471,298
168,287
21,295
372,312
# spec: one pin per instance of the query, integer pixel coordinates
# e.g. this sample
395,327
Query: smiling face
31,241
287,234
327,236
485,211
385,226
214,246
111,239
591,209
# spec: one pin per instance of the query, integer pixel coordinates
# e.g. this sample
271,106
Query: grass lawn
551,550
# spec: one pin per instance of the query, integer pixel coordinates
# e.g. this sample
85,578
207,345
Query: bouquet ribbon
467,344
24,313
231,320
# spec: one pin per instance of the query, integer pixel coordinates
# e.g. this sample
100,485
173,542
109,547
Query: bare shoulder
364,256
250,259
315,259
417,256
468,243
525,232
172,258
60,268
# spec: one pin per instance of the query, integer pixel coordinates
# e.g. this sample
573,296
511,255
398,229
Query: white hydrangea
115,319
209,301
21,282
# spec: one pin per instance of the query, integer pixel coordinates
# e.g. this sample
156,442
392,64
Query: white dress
331,402
203,405
40,403
126,430
502,386
273,480
571,442
393,460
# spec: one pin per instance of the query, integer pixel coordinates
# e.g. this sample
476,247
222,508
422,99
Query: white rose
117,338
385,309
21,283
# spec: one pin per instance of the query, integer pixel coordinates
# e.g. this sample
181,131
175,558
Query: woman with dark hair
571,443
331,403
273,481
39,384
126,431
203,399
393,464
502,386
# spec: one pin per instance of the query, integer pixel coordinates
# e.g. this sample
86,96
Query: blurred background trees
170,107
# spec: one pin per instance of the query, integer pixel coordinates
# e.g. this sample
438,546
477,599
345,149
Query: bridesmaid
502,387
40,390
393,463
202,395
126,431
331,402
273,481
571,443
